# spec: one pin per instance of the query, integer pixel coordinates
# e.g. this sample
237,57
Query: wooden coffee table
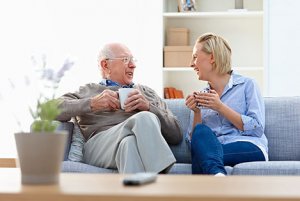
90,187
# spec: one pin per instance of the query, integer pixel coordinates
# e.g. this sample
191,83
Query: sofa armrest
68,127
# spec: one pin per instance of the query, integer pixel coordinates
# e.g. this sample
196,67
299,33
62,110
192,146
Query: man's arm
89,98
71,105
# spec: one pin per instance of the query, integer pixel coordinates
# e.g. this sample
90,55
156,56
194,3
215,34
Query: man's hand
136,101
108,100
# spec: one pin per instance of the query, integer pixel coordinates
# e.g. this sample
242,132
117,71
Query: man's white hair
105,53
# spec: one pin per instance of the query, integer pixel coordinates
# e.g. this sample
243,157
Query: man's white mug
123,95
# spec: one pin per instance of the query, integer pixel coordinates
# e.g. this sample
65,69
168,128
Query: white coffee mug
123,95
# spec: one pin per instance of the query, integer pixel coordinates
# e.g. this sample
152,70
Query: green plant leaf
46,113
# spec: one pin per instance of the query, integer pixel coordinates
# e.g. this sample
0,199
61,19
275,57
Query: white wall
282,47
74,29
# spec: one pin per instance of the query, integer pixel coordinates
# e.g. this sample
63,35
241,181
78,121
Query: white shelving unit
242,28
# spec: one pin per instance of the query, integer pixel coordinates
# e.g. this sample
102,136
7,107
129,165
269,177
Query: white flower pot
40,156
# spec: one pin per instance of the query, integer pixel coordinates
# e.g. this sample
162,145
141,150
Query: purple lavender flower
66,66
48,74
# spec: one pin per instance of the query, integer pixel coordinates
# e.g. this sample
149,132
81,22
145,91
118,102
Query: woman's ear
212,59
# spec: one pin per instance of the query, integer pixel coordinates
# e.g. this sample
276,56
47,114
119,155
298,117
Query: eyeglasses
125,60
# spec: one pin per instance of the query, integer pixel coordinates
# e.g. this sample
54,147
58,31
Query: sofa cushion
283,128
72,166
181,168
267,168
184,168
182,113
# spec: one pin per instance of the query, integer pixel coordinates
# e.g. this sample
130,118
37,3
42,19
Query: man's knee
147,118
127,141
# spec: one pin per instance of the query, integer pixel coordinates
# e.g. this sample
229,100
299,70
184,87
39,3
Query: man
130,140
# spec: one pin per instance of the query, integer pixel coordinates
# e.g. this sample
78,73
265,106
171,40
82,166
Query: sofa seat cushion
267,168
181,168
73,166
186,168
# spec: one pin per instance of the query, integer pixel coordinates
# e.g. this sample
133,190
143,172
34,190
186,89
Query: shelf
227,14
172,69
189,69
243,29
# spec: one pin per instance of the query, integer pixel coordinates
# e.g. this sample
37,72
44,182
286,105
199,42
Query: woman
228,117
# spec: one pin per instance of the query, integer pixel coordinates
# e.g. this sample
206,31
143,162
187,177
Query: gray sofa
282,130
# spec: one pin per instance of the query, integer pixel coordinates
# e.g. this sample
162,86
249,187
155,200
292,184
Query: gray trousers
135,145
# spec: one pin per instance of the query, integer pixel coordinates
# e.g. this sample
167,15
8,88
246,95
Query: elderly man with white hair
131,140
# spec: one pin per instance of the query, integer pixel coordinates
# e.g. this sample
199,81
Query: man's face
120,68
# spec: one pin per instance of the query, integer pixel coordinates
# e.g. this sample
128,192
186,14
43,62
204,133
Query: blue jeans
209,156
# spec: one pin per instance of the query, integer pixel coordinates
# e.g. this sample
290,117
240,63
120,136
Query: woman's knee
200,131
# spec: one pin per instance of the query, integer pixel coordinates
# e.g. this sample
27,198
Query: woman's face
202,62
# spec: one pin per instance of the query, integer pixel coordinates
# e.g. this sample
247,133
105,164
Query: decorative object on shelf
177,56
186,5
40,152
239,4
178,37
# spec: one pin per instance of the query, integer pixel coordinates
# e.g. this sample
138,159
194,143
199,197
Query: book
166,93
171,92
179,94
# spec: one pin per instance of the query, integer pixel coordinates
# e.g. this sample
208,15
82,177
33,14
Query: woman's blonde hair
219,48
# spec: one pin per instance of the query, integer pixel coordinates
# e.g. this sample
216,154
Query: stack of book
172,93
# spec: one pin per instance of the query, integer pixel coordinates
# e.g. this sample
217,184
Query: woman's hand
192,103
209,99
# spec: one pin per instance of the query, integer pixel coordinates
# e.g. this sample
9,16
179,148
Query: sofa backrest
282,127
182,113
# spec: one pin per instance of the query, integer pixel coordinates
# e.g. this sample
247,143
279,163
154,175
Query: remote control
140,178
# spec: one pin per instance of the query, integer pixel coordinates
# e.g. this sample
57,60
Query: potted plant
40,151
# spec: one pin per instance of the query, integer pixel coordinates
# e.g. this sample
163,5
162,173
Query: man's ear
103,63
105,69
104,66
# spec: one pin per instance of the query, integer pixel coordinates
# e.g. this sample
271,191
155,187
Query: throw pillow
77,144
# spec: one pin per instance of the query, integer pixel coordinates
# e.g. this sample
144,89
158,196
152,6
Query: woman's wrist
196,110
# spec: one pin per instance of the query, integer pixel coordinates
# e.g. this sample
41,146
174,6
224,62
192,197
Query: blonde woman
228,116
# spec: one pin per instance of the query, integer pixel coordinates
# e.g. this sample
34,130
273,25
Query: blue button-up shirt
242,95
107,82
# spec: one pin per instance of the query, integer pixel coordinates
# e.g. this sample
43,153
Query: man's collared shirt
107,82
